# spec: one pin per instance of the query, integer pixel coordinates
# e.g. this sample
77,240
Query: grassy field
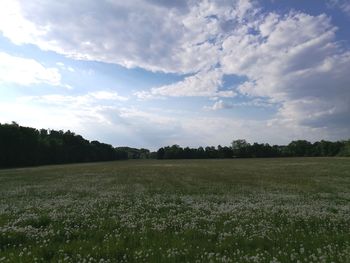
241,210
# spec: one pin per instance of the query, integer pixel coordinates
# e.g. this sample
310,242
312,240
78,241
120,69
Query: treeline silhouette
25,146
243,149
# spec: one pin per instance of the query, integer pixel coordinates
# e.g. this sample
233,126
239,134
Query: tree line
243,149
25,146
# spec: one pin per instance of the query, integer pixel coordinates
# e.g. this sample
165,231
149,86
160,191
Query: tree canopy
25,146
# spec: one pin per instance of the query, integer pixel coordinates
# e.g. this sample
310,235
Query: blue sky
150,73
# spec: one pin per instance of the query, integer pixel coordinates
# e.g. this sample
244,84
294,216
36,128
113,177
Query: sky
151,73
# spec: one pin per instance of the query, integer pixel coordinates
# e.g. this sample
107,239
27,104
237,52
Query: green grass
240,210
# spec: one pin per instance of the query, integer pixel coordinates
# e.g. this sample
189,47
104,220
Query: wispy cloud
293,59
88,99
259,103
24,71
204,84
342,5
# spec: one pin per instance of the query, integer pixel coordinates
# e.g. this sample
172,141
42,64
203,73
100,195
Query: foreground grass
253,210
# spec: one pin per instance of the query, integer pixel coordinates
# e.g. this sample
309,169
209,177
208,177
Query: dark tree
24,146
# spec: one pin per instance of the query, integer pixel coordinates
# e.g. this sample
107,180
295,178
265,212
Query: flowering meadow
236,210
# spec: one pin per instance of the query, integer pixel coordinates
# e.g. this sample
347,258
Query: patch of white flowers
85,223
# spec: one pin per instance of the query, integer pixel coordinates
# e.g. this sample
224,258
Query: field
240,210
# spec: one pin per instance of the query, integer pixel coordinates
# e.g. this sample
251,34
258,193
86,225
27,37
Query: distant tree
200,153
240,148
226,152
345,149
326,148
173,152
211,152
134,153
160,153
300,148
24,146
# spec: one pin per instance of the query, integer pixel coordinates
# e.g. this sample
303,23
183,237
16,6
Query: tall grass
255,210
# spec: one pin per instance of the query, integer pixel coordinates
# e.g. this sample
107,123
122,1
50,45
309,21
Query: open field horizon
232,210
252,159
175,131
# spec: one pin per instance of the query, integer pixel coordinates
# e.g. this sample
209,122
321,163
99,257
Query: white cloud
343,5
130,33
89,99
121,124
107,95
293,59
94,117
260,103
204,84
219,105
67,86
16,27
63,66
286,58
24,71
223,130
91,114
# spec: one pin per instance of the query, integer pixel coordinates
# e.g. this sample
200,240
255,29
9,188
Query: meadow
233,210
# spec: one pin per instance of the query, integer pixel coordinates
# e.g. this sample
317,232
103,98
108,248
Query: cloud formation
203,84
88,99
294,60
121,124
95,116
291,59
343,5
24,71
259,103
130,33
